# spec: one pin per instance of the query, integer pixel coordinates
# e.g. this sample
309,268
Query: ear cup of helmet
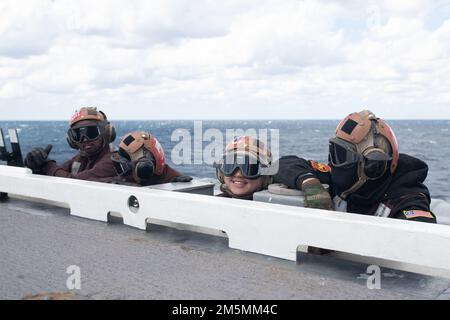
377,162
375,169
144,169
72,144
110,132
219,176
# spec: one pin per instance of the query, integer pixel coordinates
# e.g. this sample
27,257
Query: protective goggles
343,153
249,166
91,132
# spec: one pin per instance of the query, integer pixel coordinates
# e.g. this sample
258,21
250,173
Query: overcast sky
233,59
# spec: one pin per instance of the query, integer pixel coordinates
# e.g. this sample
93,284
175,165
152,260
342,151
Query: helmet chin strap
367,144
362,179
135,176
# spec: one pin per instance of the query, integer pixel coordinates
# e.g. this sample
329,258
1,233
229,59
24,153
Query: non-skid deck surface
39,242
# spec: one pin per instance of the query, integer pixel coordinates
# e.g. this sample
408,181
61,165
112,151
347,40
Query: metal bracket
13,158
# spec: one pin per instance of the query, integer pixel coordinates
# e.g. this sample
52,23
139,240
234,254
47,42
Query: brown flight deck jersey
168,174
100,168
96,168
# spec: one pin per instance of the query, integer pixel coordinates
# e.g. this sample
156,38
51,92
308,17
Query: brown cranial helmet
367,140
87,113
256,159
103,127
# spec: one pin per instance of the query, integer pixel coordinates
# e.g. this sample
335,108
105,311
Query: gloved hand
37,158
316,196
182,179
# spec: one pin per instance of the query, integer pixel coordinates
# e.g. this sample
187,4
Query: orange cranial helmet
136,145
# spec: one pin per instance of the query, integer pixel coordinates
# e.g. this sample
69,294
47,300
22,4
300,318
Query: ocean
428,140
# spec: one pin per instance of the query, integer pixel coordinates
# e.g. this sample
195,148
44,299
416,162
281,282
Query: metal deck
39,242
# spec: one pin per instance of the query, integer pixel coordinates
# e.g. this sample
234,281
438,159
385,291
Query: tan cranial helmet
367,132
365,140
245,146
135,143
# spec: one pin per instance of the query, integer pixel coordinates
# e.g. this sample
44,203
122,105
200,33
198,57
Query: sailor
366,173
140,160
90,133
244,168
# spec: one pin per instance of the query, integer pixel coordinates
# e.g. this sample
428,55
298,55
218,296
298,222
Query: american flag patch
409,214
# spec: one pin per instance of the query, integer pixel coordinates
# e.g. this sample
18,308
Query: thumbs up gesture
37,158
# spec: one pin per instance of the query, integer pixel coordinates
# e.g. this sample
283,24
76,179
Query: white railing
264,228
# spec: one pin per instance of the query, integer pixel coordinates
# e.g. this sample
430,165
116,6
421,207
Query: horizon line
244,119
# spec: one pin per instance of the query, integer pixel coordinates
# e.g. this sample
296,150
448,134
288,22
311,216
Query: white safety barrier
264,228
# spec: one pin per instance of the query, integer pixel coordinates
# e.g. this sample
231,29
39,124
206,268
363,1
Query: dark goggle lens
252,170
90,132
93,132
248,171
228,168
74,135
341,156
249,167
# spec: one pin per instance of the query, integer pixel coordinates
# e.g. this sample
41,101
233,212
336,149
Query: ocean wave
308,139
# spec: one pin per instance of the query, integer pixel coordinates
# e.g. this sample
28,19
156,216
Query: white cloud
405,6
24,29
284,59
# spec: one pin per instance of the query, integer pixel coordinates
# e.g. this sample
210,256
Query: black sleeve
413,207
294,170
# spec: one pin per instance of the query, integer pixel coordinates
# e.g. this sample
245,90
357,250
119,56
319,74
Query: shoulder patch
411,214
317,166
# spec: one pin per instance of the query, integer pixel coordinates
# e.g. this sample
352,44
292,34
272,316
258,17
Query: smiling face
93,146
241,186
